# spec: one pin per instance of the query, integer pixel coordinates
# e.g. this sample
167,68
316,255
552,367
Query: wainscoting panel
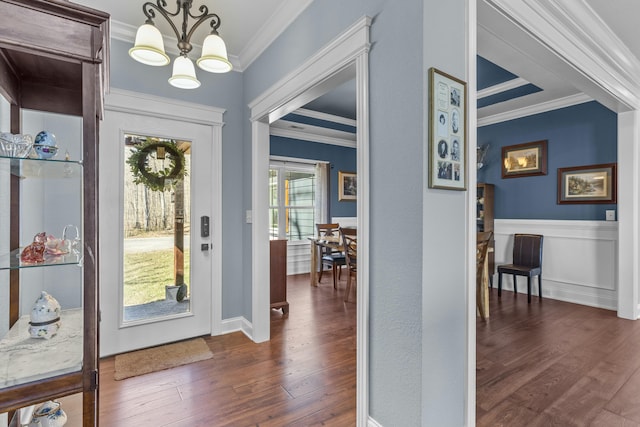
579,259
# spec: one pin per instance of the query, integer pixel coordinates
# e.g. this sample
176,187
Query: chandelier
149,46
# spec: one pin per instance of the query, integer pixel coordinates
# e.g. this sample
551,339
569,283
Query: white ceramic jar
45,317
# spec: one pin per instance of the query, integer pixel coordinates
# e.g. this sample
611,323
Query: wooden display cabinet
278,255
484,219
53,59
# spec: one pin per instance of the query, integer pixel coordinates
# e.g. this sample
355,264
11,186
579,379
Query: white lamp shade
214,55
149,47
184,74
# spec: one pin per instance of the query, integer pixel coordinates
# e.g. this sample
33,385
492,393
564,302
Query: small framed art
347,186
528,159
587,184
447,131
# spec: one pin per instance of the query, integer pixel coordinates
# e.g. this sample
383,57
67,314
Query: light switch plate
248,218
610,215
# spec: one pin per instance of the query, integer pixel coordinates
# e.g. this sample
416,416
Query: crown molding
293,130
574,32
279,21
501,87
543,107
326,117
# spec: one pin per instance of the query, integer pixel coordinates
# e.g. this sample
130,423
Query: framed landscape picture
447,131
528,159
587,184
347,186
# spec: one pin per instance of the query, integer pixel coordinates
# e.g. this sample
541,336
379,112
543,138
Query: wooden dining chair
350,245
331,257
481,236
482,250
527,261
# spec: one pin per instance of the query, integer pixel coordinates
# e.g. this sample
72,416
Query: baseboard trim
551,289
373,423
237,324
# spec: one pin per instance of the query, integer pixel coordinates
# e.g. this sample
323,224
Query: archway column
628,214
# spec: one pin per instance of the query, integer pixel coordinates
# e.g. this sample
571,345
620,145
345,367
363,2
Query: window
292,192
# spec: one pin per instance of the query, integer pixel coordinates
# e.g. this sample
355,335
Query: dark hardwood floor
546,363
304,376
552,363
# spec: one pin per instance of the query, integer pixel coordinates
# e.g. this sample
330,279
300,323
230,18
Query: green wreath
139,164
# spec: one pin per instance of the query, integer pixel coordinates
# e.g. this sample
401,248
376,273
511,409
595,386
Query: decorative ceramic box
45,317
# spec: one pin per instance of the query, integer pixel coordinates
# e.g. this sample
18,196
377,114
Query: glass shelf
12,261
40,168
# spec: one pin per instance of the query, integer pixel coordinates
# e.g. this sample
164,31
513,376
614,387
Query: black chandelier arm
184,6
204,15
215,23
148,9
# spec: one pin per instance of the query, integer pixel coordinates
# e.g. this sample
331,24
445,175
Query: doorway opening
344,59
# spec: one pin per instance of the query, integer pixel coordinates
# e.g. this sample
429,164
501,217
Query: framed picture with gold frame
528,159
447,131
347,186
587,184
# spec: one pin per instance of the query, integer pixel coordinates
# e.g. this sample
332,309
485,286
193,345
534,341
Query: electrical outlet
610,215
248,217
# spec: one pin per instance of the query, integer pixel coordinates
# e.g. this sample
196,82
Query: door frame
559,27
165,108
341,60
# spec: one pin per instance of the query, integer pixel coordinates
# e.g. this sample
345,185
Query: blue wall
580,135
340,158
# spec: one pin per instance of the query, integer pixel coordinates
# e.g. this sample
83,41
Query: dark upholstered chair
331,257
527,261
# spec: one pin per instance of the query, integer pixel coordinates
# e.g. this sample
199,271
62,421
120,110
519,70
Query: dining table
331,242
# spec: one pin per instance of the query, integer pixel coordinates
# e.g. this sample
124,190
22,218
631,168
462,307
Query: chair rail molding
580,258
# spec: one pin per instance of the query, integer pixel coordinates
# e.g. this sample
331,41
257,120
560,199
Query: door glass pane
156,228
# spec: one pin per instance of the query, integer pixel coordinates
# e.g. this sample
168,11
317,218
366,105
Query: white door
160,321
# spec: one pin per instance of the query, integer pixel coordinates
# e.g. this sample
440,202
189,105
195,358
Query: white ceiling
249,26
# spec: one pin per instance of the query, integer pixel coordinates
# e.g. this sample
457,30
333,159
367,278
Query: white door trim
154,106
342,59
470,374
